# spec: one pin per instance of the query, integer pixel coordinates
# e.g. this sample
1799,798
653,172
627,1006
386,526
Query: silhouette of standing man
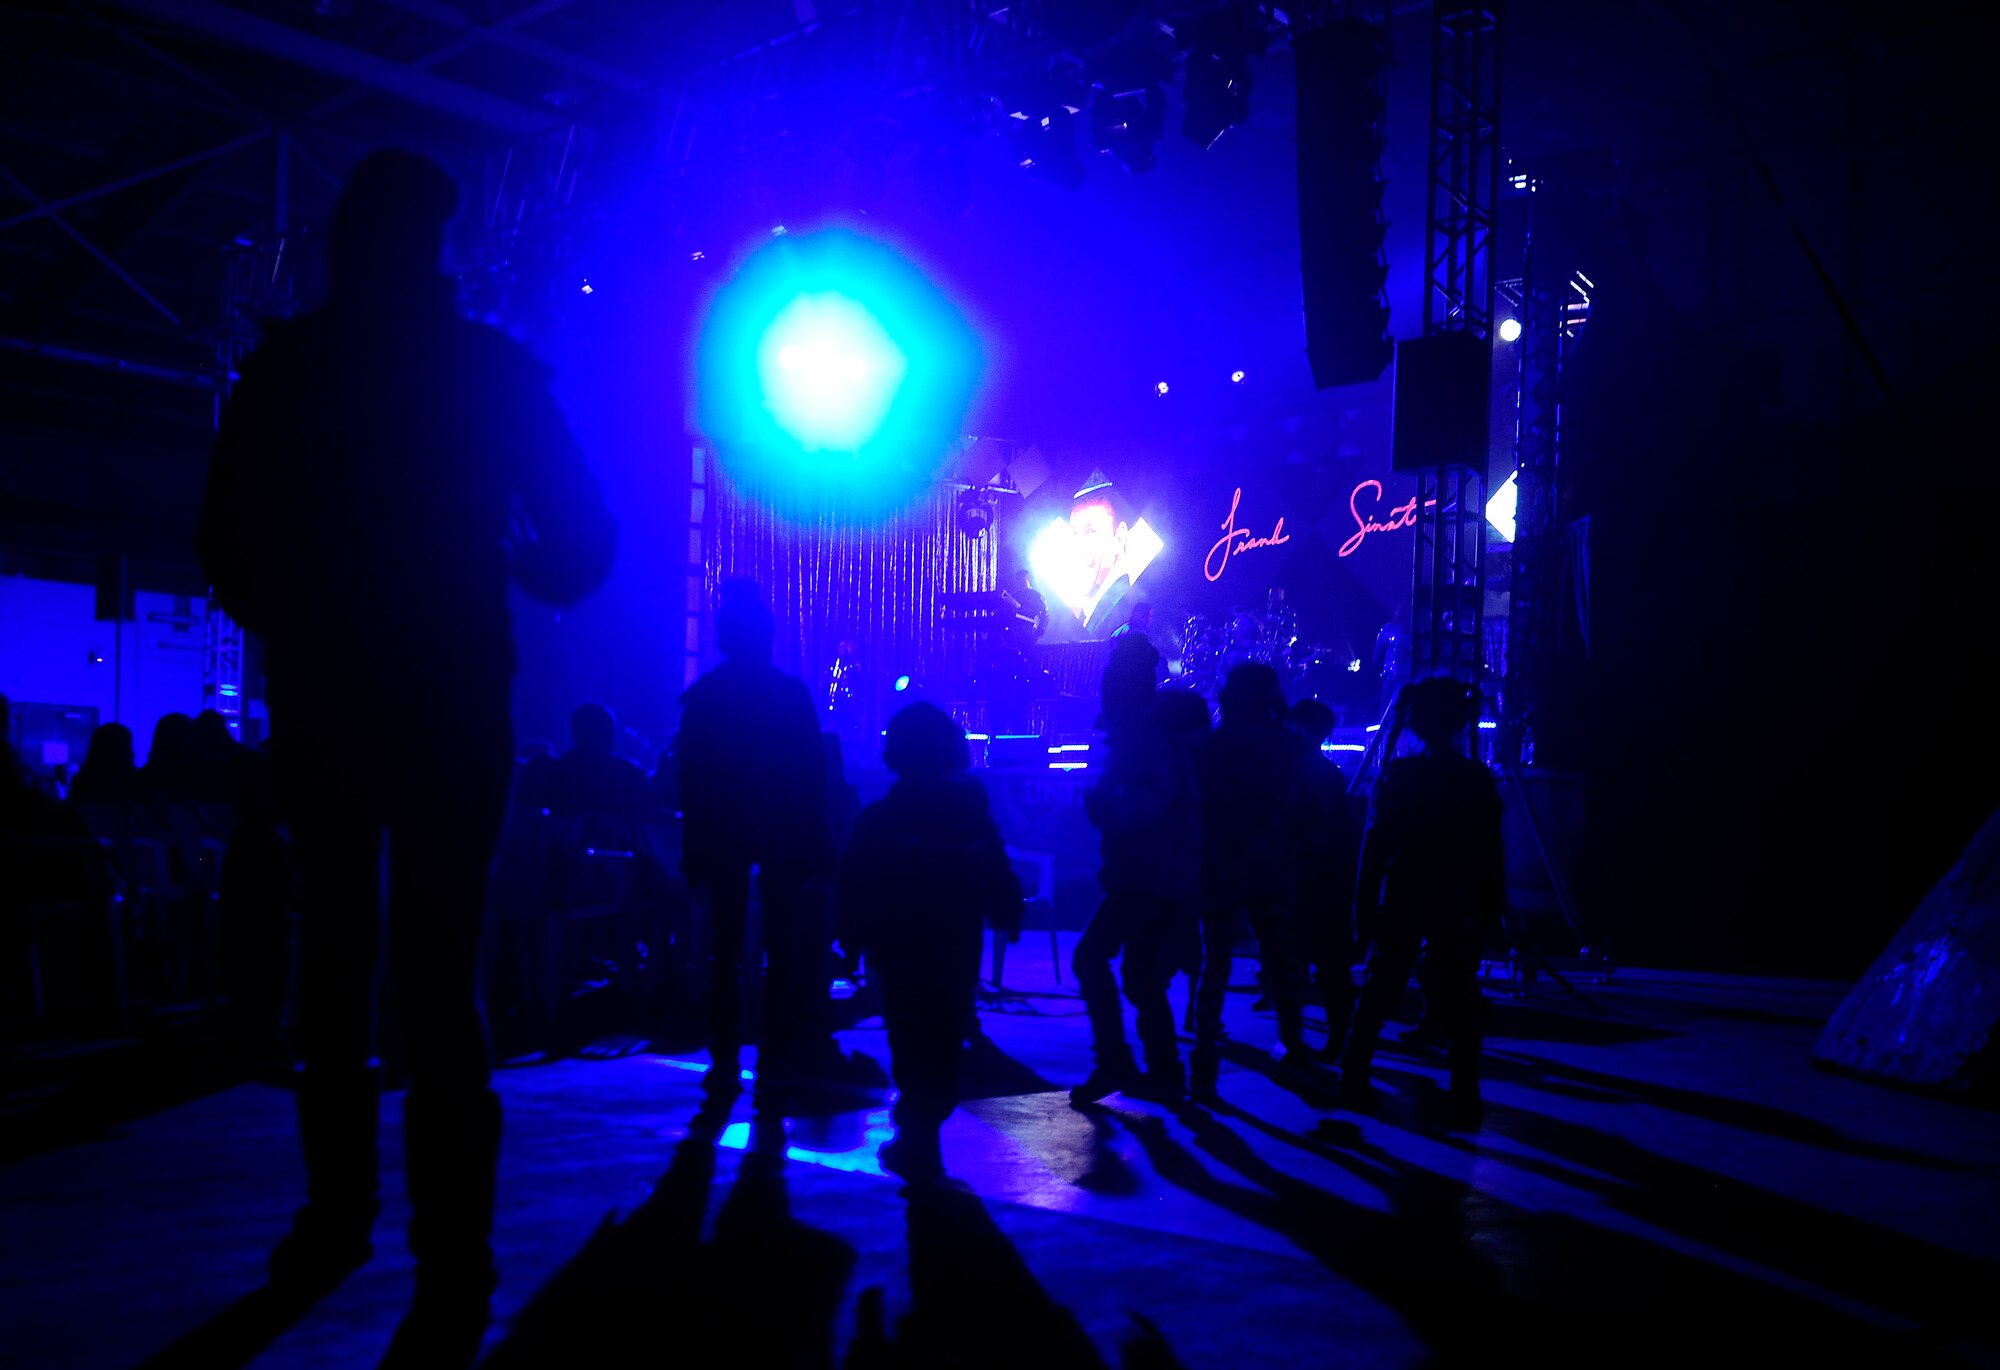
1433,878
382,470
1147,810
753,794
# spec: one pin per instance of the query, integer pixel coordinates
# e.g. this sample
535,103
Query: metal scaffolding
1448,586
1553,299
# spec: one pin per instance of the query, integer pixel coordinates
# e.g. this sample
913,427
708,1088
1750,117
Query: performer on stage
1030,612
1139,624
1392,654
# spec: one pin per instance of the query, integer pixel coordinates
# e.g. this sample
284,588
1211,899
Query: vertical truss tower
1448,590
1551,304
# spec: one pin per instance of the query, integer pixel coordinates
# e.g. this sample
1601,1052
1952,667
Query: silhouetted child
924,872
1433,877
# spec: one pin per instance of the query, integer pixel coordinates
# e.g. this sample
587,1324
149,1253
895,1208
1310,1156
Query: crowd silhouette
383,473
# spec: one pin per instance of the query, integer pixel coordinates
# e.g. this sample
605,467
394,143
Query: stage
1664,1172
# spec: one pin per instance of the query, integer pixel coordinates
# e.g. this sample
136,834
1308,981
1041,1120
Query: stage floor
1665,1170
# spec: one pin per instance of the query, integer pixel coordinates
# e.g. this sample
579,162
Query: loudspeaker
1444,397
1338,71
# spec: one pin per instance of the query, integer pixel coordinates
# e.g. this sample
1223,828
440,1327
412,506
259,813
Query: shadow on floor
1471,1274
1848,1257
975,1303
1596,1087
1520,1022
648,1289
990,1073
237,1335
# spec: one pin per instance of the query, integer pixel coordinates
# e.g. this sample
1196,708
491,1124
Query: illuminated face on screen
1083,558
1098,538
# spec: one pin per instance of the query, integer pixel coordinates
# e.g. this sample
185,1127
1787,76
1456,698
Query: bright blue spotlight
829,372
902,683
830,366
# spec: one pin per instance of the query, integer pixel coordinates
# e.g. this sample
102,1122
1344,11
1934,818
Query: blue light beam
831,365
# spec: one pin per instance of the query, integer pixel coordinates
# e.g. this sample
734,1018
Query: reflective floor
1659,1173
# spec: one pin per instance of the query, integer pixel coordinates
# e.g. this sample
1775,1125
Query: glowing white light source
586,288
829,371
1076,558
1510,329
1236,377
1500,508
1161,388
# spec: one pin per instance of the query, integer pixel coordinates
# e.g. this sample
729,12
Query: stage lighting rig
1042,127
976,509
1216,86
1128,108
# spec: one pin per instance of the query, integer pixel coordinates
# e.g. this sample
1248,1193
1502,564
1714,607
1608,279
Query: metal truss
1464,184
1552,301
1448,585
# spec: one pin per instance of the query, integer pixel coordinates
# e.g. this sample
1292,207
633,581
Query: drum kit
1211,648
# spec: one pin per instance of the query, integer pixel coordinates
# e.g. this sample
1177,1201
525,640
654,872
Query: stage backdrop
832,577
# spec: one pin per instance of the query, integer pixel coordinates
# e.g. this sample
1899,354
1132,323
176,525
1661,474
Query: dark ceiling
138,138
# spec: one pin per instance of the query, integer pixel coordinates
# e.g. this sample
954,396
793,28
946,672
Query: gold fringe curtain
831,575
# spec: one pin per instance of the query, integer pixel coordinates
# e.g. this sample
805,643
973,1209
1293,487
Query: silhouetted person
1139,623
753,795
1028,616
1188,722
534,776
46,850
1147,810
1433,876
383,468
666,781
925,872
1257,823
170,770
1392,654
843,801
588,778
1325,904
214,757
108,775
